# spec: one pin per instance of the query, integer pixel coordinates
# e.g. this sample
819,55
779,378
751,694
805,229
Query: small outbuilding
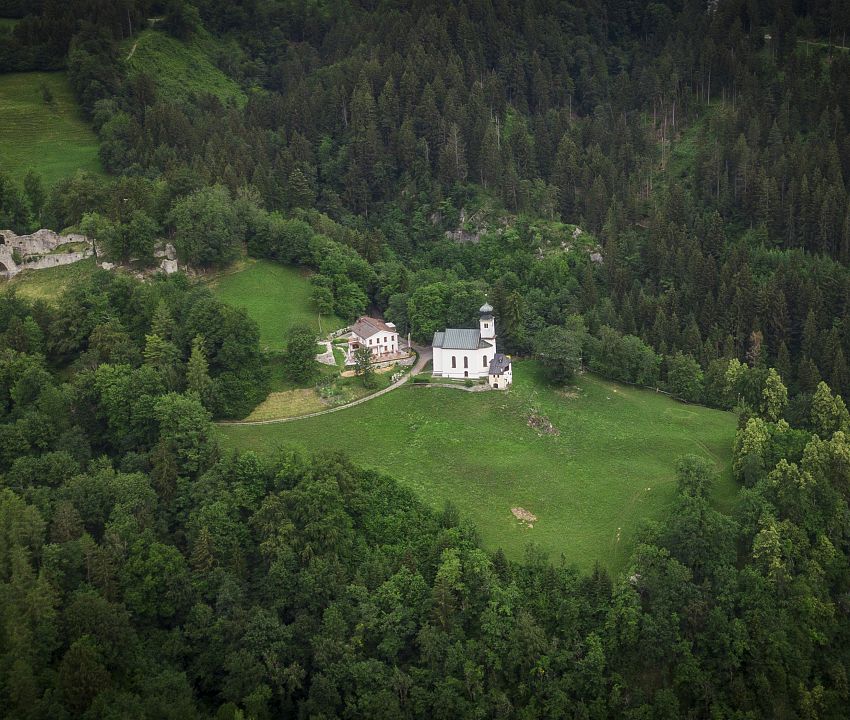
500,375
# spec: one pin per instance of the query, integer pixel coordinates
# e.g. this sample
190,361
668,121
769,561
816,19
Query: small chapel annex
471,353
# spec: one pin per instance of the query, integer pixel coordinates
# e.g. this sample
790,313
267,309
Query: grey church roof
499,364
462,339
486,309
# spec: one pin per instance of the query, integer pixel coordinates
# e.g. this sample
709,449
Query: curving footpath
424,358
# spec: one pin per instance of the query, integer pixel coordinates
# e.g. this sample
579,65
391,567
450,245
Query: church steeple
487,323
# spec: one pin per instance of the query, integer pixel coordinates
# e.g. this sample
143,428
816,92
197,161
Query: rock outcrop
40,250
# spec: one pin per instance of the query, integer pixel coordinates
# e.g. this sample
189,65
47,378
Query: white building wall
477,362
381,343
503,381
437,361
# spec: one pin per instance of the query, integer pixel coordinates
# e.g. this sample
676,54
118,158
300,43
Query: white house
500,376
379,336
466,353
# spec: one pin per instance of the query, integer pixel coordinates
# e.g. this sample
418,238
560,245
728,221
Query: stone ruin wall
35,250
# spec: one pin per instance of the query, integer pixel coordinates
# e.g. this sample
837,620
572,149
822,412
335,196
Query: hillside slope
609,468
51,137
180,69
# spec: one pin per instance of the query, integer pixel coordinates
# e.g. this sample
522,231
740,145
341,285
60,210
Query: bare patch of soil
524,516
570,393
542,425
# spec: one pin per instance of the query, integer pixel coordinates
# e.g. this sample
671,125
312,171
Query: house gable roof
366,327
460,339
499,364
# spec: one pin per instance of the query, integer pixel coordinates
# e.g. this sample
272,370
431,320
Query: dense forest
663,187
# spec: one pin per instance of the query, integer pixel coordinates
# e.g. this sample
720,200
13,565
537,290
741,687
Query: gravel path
424,358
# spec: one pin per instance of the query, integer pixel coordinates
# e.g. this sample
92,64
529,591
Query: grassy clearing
181,69
8,24
302,401
288,403
52,138
50,283
275,296
591,487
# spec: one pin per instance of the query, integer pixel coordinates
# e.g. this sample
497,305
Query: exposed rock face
37,251
168,266
166,251
461,236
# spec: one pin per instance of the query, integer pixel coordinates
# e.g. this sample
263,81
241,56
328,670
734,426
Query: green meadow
49,284
52,137
275,296
609,468
181,68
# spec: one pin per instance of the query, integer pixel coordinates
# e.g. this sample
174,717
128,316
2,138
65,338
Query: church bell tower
487,323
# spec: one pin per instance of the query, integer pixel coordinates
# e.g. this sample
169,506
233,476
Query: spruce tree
197,371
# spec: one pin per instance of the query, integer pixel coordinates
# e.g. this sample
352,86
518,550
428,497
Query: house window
370,341
466,373
485,361
454,361
465,362
486,326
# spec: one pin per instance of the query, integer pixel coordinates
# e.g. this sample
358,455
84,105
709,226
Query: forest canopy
657,191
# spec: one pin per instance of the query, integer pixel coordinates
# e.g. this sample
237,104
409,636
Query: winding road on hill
425,354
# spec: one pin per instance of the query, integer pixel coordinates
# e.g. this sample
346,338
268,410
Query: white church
470,353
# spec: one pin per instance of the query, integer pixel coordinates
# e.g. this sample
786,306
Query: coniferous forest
664,185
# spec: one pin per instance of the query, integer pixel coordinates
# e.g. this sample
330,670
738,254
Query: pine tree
810,345
839,380
301,193
783,363
197,371
564,177
203,552
491,160
162,324
808,376
163,356
164,472
34,190
774,396
452,163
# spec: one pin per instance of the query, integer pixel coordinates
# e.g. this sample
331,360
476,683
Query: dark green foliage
165,579
184,584
685,378
363,366
299,358
559,351
207,227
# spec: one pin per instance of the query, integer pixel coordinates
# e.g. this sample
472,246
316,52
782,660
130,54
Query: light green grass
180,69
54,139
49,284
591,487
275,296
